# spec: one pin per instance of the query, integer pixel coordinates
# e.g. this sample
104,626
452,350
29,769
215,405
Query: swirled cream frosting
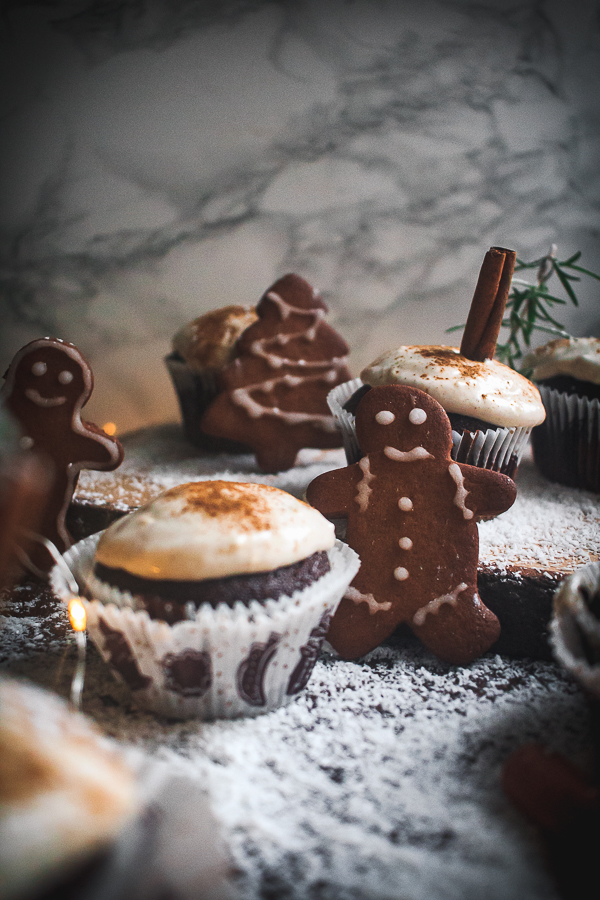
211,529
577,357
208,342
487,390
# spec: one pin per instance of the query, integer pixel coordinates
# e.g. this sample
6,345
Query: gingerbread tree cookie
412,517
273,396
47,384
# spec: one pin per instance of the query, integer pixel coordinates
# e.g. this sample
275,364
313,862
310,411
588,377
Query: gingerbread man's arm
333,493
487,493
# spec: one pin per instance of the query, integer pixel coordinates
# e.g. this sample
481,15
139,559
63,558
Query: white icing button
39,368
417,416
400,574
65,377
26,442
405,543
405,504
385,417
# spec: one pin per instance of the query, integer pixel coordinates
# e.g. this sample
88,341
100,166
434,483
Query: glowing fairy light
78,619
77,614
109,428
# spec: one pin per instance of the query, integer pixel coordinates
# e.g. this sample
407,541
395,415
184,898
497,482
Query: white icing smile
45,402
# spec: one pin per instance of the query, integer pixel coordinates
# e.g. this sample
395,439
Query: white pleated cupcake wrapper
571,617
491,449
245,660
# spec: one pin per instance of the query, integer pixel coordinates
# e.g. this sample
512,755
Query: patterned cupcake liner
195,392
222,662
575,630
499,449
566,446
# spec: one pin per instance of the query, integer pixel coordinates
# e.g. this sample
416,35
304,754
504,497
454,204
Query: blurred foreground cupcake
492,408
214,599
65,793
566,447
200,350
575,635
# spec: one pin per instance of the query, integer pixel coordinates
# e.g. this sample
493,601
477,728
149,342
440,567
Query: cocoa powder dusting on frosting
447,356
218,498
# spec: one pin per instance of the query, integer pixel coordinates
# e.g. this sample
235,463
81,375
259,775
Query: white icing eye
405,504
65,377
39,368
405,543
417,416
400,574
385,417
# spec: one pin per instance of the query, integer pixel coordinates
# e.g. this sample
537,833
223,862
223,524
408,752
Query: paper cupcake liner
499,449
566,446
195,392
575,631
224,662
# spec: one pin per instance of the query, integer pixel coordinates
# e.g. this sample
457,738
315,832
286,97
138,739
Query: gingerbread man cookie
273,395
412,517
47,384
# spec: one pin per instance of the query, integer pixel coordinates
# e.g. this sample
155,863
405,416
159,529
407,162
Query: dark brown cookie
273,396
412,517
47,384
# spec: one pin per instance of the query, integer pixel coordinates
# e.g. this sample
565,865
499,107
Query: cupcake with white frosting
566,447
200,350
491,407
213,600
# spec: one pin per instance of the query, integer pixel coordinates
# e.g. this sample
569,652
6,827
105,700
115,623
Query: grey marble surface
160,159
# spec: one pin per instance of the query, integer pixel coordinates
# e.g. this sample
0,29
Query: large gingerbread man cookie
47,384
273,396
412,517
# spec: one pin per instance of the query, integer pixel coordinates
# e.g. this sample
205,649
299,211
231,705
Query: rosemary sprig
529,306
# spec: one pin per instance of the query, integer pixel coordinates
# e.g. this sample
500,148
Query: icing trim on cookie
434,605
461,492
363,488
407,456
357,597
256,410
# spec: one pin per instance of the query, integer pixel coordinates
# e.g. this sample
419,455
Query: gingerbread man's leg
457,627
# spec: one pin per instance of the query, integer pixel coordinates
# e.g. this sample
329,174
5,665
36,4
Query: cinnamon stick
488,304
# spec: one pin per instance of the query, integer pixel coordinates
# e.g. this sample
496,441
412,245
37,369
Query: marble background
159,159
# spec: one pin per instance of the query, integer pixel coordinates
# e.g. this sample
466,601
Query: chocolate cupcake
214,599
492,408
575,636
200,350
566,446
66,793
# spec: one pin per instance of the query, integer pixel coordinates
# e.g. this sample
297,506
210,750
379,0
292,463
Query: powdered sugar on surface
380,780
550,528
141,477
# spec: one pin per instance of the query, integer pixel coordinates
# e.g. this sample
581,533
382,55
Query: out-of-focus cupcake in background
566,446
200,350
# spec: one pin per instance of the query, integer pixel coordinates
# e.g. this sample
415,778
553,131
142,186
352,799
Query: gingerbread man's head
404,418
46,374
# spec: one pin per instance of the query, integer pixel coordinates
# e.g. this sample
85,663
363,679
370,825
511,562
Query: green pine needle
528,305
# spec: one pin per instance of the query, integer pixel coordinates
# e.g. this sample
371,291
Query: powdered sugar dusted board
523,554
380,781
159,458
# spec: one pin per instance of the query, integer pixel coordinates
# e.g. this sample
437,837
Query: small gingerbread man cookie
412,517
47,384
